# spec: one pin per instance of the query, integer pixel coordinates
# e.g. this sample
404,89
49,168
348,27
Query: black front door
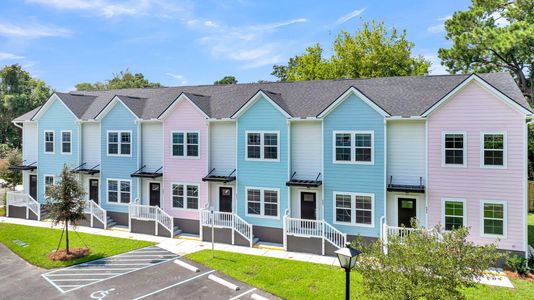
154,193
307,206
225,199
407,211
33,186
93,190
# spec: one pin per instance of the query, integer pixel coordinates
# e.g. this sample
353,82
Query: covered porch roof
144,174
293,181
24,166
82,169
219,178
403,187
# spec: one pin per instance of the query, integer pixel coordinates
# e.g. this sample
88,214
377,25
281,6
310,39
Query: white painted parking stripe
243,294
257,297
176,284
186,265
77,279
226,283
86,274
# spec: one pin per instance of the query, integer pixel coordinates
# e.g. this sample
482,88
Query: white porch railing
94,210
313,228
228,220
22,199
401,232
152,213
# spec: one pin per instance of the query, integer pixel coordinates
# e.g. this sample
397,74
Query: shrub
518,264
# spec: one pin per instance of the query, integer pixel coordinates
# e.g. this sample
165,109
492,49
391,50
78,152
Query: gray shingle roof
399,96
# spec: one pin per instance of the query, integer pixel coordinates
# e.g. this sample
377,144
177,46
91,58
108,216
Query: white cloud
9,56
34,30
500,21
180,78
349,16
436,68
438,28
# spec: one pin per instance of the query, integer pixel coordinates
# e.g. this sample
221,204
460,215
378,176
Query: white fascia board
180,98
111,104
253,100
353,91
48,104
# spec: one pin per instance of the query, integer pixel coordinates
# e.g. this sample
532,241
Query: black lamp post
347,260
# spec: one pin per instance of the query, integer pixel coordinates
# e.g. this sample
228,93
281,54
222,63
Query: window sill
371,163
262,159
262,216
355,224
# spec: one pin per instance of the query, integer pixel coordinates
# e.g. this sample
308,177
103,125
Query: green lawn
2,211
300,280
531,229
41,241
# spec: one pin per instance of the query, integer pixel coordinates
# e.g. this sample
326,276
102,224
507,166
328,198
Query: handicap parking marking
79,276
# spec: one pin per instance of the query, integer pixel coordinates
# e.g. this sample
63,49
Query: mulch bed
73,254
529,277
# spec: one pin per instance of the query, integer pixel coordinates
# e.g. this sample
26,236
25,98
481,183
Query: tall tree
19,93
226,80
12,158
371,52
123,80
65,201
493,35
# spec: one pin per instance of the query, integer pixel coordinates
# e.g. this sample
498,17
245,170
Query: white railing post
130,217
105,219
156,222
92,212
322,237
27,208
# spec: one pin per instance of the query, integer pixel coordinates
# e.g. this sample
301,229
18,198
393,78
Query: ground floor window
493,218
184,196
119,191
354,208
262,202
454,214
48,182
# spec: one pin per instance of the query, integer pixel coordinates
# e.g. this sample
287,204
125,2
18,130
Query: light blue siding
57,118
354,114
118,167
262,116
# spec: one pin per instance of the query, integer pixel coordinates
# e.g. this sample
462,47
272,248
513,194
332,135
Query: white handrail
227,220
244,228
401,232
316,229
152,213
22,199
333,235
95,210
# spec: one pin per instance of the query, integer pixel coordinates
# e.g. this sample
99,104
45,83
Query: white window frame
262,202
262,145
353,209
504,150
119,142
464,149
70,141
185,144
118,191
443,200
45,185
504,221
185,208
53,141
353,147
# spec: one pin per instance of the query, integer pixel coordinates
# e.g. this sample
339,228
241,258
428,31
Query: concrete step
111,224
255,240
177,230
269,246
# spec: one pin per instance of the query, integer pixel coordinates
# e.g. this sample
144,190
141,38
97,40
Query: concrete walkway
186,245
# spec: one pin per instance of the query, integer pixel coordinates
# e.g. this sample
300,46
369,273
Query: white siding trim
353,146
505,219
504,154
443,200
262,212
443,164
353,209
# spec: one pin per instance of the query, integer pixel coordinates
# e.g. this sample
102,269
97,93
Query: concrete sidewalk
185,245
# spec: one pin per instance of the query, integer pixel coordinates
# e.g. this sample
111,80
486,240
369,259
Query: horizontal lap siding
91,144
406,151
185,117
29,142
475,110
222,147
57,118
354,114
152,145
262,116
306,149
114,167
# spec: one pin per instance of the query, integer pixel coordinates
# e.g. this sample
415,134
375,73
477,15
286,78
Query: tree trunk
67,236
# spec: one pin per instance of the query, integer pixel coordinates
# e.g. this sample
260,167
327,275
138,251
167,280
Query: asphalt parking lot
147,273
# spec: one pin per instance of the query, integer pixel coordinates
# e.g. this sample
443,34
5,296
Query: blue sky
65,42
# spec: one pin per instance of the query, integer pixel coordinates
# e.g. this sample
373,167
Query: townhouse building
305,166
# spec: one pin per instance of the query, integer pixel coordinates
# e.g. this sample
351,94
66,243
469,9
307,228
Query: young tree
492,36
371,52
12,177
65,201
123,80
425,264
226,80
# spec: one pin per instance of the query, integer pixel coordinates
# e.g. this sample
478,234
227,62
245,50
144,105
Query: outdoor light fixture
347,260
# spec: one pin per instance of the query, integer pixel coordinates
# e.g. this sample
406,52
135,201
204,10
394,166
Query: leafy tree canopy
123,80
11,158
226,80
370,52
493,35
19,93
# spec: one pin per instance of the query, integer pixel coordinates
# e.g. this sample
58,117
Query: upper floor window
48,183
185,144
454,152
184,196
66,142
354,209
119,143
454,214
262,202
354,147
494,218
48,141
493,150
119,191
262,145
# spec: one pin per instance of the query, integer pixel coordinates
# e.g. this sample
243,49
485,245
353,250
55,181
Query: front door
308,206
155,194
225,199
407,211
33,186
93,190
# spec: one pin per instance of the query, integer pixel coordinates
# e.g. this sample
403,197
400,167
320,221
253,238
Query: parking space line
176,284
243,294
86,274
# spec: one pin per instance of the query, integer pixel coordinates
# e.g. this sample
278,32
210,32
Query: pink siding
185,117
472,111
